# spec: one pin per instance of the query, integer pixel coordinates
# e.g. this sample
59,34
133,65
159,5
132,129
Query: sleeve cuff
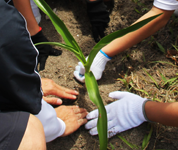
143,109
63,127
166,5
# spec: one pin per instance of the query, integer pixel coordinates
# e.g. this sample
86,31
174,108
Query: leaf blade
59,25
93,92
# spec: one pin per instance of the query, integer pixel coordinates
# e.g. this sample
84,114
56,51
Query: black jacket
20,83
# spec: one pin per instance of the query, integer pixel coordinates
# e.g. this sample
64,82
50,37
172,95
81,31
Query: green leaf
163,62
107,39
161,47
151,78
112,146
163,77
129,144
93,92
137,11
147,139
59,25
171,81
143,91
63,46
175,47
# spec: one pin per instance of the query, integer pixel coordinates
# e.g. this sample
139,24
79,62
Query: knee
34,137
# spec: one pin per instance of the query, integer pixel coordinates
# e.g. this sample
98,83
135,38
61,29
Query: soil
129,65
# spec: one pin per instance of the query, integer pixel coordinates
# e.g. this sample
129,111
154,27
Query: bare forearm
120,44
24,7
164,113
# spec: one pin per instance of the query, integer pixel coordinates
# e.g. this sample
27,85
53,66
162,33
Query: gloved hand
44,50
123,114
99,18
97,67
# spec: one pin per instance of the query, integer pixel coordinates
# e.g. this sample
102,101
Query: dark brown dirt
60,69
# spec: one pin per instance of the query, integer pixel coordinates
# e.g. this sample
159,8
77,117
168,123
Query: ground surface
60,69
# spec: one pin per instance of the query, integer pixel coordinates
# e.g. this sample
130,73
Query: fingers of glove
42,62
81,69
126,95
77,68
79,77
110,115
112,123
118,94
92,115
95,34
54,52
43,49
91,124
113,131
93,131
101,31
80,64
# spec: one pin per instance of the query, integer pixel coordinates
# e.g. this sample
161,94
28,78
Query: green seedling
144,9
161,48
151,78
143,91
171,82
132,146
146,139
144,60
135,1
90,81
126,81
137,10
140,4
163,62
175,47
168,83
112,146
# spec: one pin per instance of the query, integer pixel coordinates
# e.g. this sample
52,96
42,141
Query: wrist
105,54
63,127
145,107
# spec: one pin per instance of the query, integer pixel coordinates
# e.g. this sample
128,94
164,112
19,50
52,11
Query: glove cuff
105,54
39,37
143,109
90,3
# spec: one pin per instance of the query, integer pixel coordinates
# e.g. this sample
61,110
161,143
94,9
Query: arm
120,44
24,7
164,113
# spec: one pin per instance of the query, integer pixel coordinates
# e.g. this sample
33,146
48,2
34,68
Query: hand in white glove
123,114
97,67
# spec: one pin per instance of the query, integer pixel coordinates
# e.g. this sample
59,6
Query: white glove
123,114
53,126
97,67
